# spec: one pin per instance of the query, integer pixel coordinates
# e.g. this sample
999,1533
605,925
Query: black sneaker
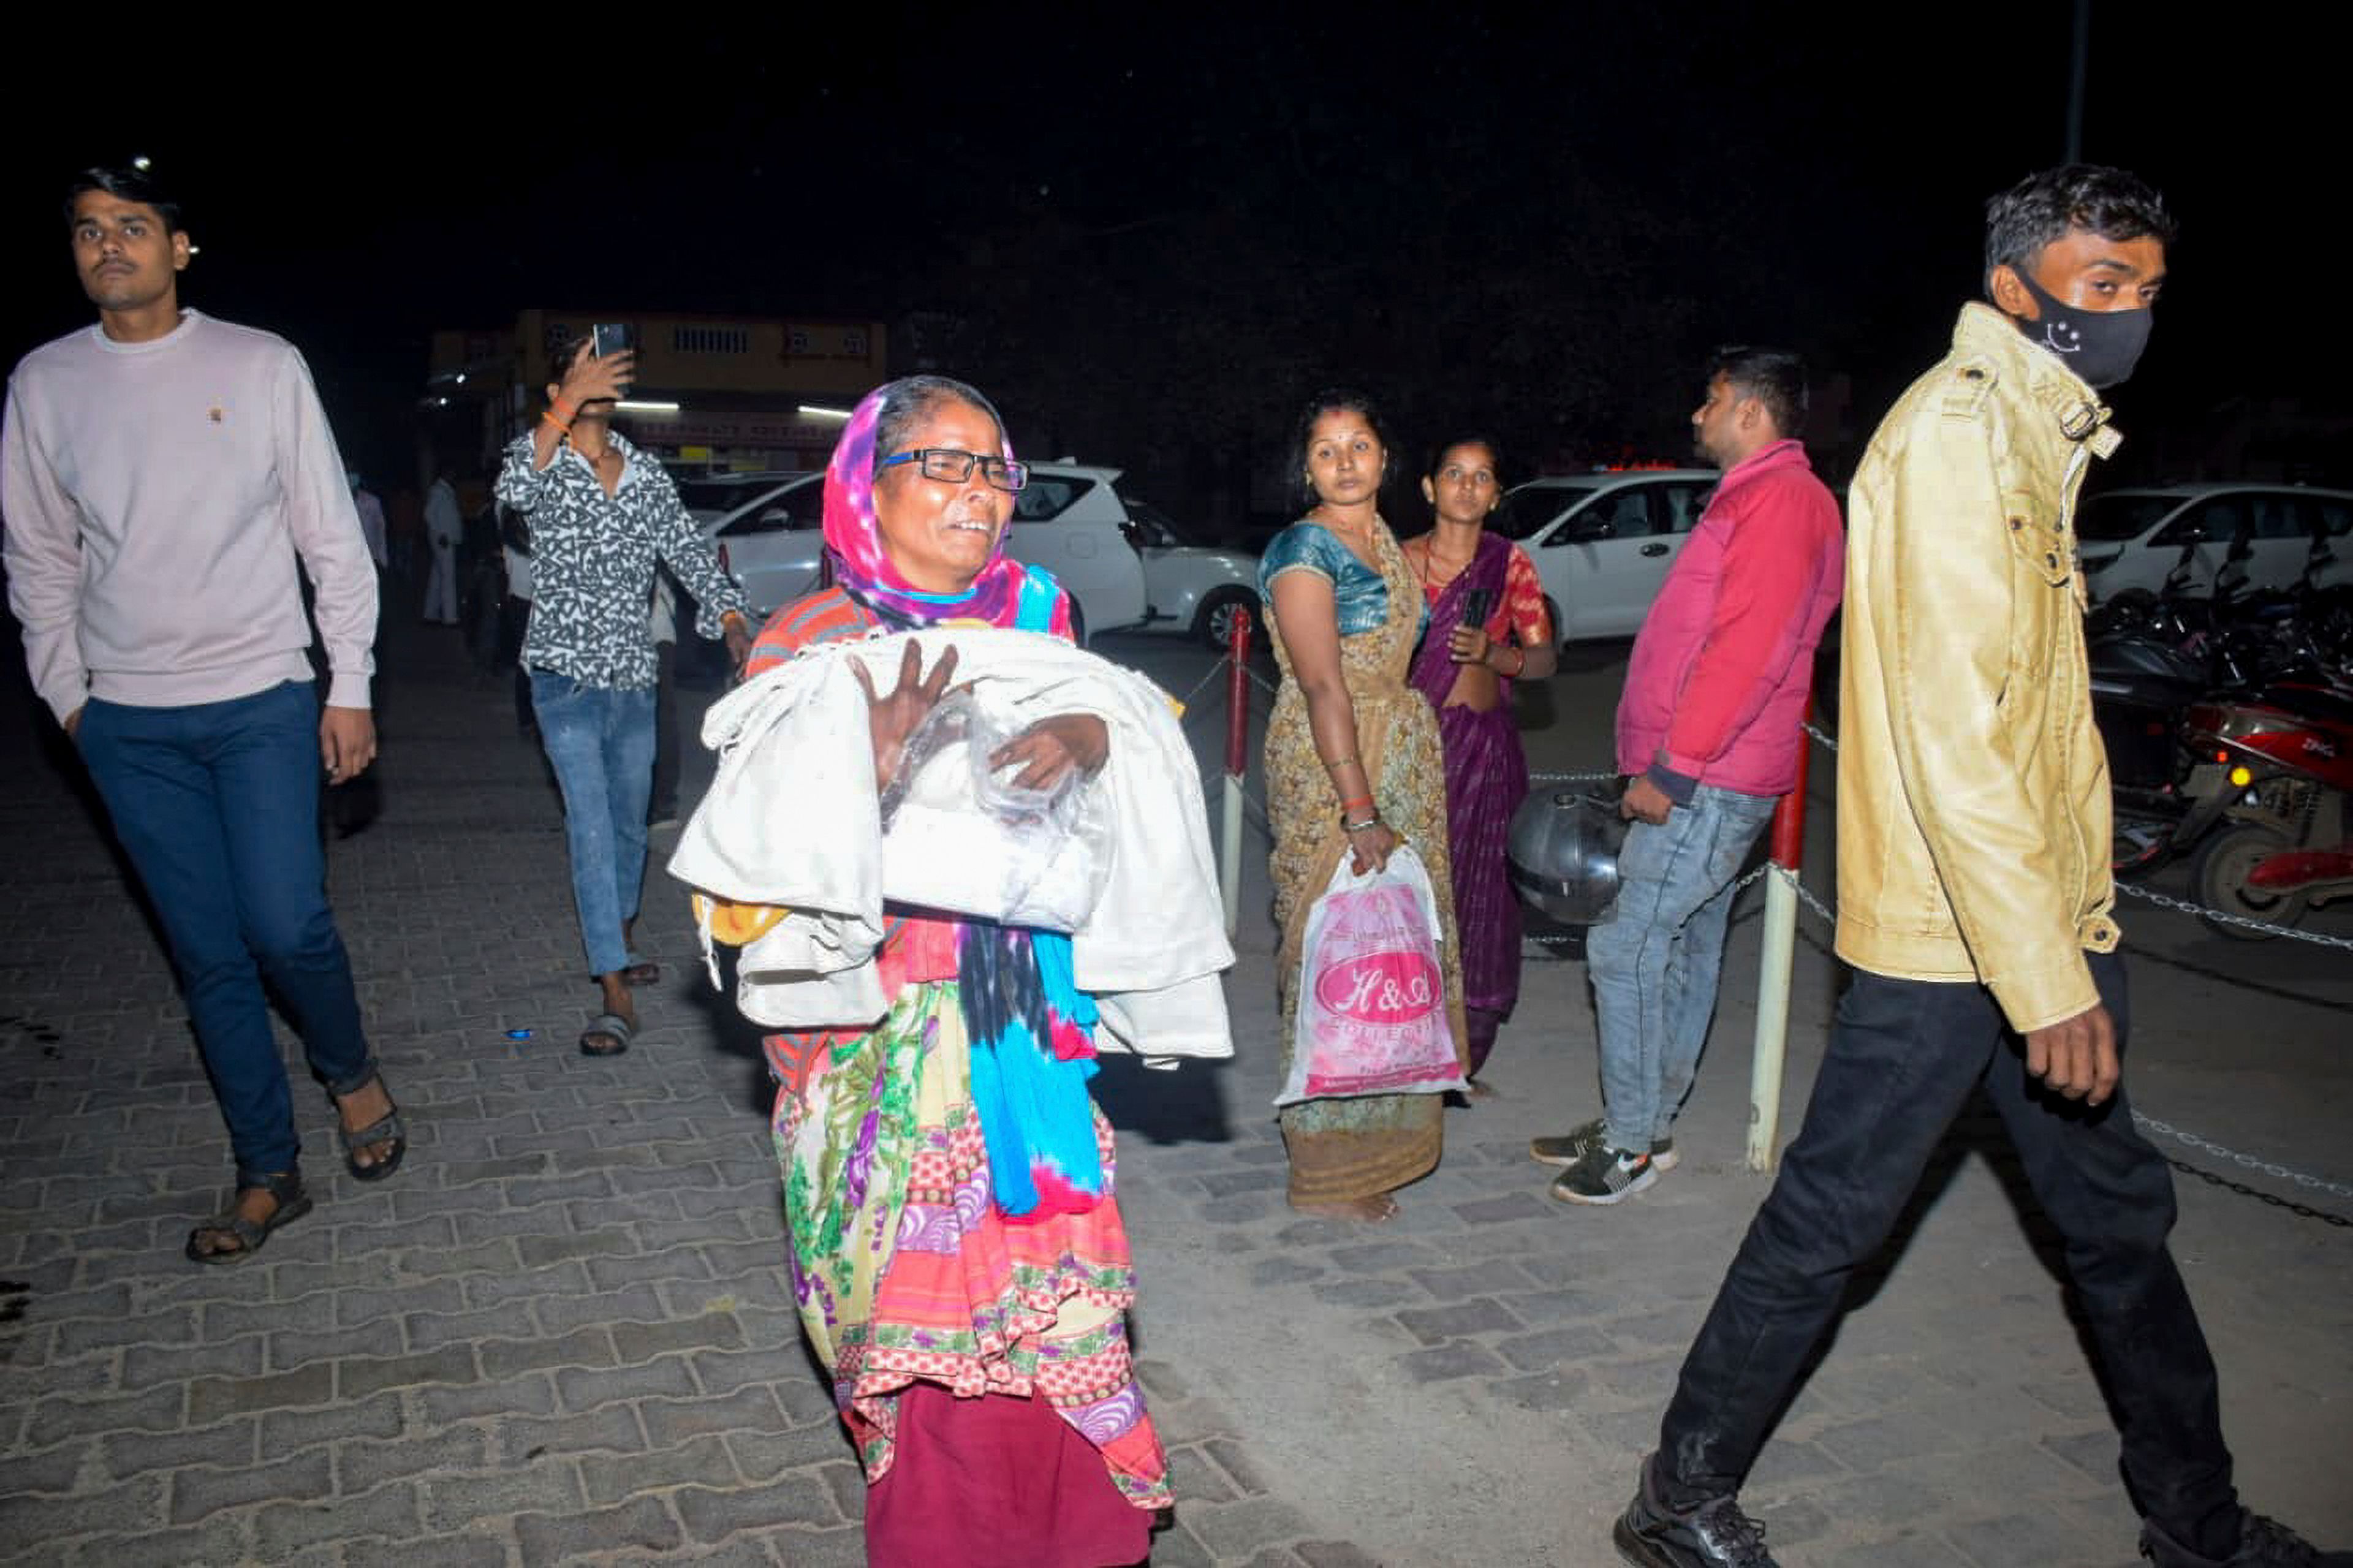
1570,1147
1715,1534
2263,1544
1605,1175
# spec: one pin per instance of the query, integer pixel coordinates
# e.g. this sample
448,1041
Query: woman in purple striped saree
1488,628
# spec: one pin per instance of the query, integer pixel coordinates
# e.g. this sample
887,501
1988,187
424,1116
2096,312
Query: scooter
2271,773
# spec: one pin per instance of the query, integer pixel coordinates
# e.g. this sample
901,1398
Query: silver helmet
1563,852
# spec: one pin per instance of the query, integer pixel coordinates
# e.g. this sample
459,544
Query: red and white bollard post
1775,964
1229,836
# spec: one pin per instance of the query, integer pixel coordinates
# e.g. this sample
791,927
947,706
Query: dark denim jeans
1904,1055
601,742
218,806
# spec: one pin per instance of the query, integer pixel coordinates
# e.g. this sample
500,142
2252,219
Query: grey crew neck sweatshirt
156,496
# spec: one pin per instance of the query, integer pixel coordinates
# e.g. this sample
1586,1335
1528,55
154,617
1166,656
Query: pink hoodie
1719,677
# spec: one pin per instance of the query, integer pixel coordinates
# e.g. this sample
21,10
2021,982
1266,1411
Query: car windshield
1530,506
2107,520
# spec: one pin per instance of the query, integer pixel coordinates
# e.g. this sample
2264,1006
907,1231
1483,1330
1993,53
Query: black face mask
2100,346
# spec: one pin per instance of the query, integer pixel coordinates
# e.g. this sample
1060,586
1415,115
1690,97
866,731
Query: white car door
1609,559
774,545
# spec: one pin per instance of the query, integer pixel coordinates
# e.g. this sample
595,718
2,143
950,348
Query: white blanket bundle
793,821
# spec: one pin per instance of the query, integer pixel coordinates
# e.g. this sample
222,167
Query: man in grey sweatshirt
160,474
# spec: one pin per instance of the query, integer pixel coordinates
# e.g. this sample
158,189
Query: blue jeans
601,740
1904,1056
218,806
1655,963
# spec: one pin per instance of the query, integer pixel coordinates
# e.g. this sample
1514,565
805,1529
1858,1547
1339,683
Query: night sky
1158,236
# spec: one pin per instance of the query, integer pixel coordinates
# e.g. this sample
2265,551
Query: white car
2133,538
1067,518
1602,542
1190,588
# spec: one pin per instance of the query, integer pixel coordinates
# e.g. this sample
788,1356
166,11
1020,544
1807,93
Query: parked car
1602,542
2132,538
1067,518
1189,588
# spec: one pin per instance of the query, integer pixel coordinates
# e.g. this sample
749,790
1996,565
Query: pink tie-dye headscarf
854,540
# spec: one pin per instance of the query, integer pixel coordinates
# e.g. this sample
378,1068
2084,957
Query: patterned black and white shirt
592,563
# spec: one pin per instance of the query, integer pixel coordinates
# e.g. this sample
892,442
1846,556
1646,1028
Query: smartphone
607,338
1477,603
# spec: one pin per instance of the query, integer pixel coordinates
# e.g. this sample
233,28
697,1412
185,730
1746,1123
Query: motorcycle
2154,658
2271,773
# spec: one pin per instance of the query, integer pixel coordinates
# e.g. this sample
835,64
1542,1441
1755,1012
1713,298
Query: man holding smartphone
155,470
602,516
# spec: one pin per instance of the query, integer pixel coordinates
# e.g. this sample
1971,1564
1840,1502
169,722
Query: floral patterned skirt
905,1270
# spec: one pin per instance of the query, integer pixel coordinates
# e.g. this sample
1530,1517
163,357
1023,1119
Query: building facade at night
714,393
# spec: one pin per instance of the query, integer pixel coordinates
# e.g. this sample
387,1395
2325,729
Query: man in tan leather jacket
1975,902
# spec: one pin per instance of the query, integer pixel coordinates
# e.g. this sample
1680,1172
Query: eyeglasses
951,467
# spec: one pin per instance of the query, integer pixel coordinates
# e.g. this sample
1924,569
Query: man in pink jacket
1709,729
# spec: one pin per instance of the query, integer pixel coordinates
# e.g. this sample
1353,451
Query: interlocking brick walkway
562,1330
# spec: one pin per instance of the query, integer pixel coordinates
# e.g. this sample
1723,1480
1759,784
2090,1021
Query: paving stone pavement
562,1332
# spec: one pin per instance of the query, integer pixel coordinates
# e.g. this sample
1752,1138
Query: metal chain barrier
1186,700
2246,1161
2302,1211
2186,906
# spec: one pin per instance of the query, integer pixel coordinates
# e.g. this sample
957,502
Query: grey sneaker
1715,1534
1570,1147
2263,1544
1604,1175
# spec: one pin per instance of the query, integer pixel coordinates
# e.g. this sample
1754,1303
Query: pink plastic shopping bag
1372,995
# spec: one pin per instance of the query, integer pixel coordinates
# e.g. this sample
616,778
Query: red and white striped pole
1230,838
1776,963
